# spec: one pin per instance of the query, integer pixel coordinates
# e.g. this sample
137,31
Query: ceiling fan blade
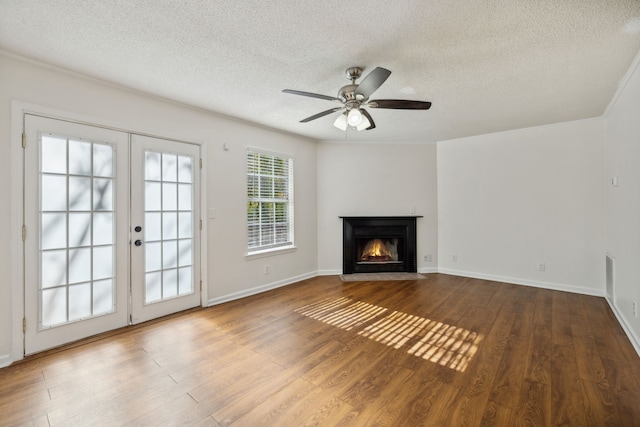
372,82
368,116
399,104
322,114
311,95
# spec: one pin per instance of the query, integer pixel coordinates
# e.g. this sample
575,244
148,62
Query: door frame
17,255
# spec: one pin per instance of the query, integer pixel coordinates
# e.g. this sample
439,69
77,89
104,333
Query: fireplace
379,244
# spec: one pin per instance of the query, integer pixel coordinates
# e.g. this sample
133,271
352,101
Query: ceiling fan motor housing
348,93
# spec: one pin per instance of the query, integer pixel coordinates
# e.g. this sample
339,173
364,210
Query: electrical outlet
454,258
541,266
427,258
267,269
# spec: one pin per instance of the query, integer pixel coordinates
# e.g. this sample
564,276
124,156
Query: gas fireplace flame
375,249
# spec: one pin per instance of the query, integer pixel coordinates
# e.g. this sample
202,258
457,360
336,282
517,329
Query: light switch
212,213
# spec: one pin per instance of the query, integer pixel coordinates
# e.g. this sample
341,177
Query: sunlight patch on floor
342,312
395,329
448,346
437,342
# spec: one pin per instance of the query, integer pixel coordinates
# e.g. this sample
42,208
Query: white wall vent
610,277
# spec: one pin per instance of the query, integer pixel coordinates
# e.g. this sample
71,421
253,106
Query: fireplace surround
379,244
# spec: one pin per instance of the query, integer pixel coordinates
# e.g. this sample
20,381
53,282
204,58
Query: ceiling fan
354,97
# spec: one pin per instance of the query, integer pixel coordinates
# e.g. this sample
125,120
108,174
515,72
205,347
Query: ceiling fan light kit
341,122
364,125
354,97
354,117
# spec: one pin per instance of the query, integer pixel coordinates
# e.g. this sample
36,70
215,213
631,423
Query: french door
165,226
85,187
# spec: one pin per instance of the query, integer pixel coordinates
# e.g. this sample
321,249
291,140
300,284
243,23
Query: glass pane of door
165,212
77,274
168,223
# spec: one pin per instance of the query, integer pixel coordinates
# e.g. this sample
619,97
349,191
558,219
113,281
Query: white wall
509,201
375,179
230,273
623,201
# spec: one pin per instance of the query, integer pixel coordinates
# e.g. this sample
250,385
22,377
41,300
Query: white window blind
270,200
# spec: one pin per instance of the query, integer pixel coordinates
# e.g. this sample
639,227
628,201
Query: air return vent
610,266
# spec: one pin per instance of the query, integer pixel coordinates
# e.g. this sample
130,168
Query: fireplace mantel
379,216
399,230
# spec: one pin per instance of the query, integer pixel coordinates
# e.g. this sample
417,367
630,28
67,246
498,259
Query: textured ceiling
486,65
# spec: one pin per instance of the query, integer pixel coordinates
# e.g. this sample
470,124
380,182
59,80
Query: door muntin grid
77,230
168,226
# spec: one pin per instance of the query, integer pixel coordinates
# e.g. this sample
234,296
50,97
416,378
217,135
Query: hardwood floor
442,351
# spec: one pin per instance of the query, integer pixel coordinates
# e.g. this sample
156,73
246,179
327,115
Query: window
270,200
77,220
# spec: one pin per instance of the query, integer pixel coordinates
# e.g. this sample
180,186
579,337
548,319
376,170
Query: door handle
138,243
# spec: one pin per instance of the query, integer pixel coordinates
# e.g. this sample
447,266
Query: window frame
269,212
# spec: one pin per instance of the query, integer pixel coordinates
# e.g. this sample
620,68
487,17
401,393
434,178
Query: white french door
76,217
83,187
165,273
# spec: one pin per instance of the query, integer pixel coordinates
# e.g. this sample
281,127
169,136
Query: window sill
269,252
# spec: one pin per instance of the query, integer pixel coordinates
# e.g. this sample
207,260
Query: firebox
379,244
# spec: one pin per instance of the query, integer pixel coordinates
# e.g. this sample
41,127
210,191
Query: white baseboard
533,283
5,360
635,342
428,270
260,289
329,272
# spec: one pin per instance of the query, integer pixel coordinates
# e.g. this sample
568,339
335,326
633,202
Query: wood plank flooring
441,351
